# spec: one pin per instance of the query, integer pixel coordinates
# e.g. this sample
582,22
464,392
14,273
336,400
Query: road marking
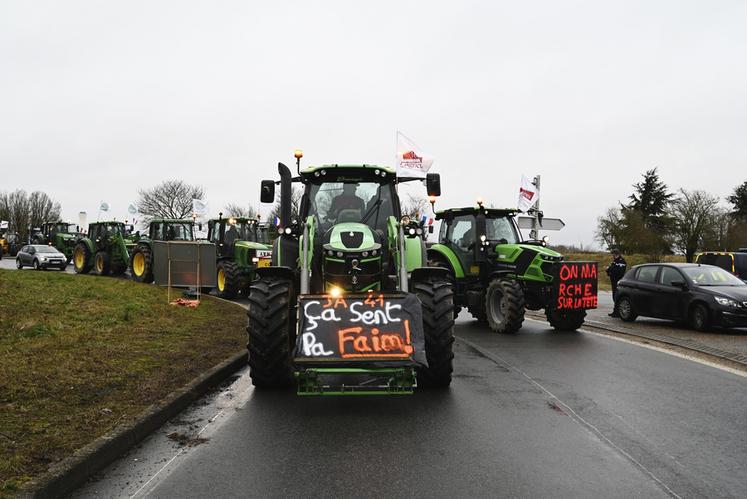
576,417
614,336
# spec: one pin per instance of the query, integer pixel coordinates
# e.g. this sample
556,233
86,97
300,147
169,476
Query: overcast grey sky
98,99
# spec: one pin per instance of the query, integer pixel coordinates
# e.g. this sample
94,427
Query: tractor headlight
373,252
364,254
726,302
411,231
287,230
340,254
255,259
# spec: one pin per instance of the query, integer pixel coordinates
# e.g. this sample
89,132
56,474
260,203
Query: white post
534,233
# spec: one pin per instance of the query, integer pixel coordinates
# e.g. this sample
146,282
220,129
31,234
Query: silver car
40,256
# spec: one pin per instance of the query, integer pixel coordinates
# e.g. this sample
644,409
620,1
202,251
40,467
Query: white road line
498,359
615,336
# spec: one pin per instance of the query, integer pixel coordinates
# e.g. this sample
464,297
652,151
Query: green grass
605,259
81,354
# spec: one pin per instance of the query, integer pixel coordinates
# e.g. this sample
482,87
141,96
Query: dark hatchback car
700,295
40,256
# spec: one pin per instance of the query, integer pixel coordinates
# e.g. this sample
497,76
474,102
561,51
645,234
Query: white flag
528,194
104,206
3,224
199,208
132,209
412,162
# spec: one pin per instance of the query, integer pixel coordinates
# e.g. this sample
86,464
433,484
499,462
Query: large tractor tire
228,280
271,329
437,303
504,305
102,263
82,259
141,264
565,321
436,260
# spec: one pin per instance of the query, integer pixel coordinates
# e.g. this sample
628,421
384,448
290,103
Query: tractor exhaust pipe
286,189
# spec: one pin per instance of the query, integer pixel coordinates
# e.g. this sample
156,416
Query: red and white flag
528,194
412,162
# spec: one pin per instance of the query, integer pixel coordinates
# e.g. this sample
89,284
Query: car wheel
19,265
625,309
699,319
35,264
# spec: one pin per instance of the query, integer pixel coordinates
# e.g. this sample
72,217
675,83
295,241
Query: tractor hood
508,251
250,245
351,236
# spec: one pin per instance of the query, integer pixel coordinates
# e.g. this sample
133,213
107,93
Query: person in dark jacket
616,271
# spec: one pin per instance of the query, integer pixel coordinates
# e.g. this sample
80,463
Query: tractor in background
242,246
161,229
10,243
349,304
105,249
497,276
63,236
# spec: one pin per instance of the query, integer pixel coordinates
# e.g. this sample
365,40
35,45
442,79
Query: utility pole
534,233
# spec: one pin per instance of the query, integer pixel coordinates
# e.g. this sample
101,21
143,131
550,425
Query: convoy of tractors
349,298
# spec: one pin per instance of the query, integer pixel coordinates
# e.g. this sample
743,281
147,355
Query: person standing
616,271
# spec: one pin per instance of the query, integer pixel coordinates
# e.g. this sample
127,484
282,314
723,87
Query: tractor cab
241,248
171,230
52,229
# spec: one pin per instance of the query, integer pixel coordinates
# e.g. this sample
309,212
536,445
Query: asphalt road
536,414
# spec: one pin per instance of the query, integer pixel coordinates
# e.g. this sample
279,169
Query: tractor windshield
64,228
501,229
366,202
178,232
249,231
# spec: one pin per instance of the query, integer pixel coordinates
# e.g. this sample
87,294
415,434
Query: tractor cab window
370,203
461,232
64,228
502,230
178,232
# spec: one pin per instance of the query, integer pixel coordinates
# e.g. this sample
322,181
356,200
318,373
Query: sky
100,99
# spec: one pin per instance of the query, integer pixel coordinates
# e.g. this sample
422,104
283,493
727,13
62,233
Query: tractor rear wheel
141,264
437,303
228,279
102,263
566,321
82,259
504,305
271,326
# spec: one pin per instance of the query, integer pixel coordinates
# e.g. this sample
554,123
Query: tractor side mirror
267,194
433,184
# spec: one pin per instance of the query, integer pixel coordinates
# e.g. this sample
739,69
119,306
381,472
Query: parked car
40,256
700,295
731,261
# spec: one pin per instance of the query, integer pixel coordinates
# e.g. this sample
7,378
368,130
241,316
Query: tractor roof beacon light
298,154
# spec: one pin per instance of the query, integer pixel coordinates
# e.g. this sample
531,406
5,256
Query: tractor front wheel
228,279
82,259
102,263
141,264
565,321
437,303
504,306
270,326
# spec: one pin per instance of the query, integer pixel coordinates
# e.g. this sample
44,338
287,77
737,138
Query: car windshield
501,229
708,275
336,202
45,249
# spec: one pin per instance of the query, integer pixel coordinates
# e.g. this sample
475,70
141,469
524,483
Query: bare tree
236,210
414,206
42,209
169,199
694,214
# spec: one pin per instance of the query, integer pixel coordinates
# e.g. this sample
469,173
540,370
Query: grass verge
80,354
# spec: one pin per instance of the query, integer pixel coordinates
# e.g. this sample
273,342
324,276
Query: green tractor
242,246
63,236
104,249
162,229
349,305
497,276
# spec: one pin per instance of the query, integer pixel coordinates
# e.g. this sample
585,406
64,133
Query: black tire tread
270,323
147,276
88,264
233,279
437,303
514,316
566,321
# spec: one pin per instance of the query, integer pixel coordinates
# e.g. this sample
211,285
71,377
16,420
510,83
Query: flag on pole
412,162
199,208
104,206
132,209
528,194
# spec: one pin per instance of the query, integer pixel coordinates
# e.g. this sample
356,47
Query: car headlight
44,259
726,302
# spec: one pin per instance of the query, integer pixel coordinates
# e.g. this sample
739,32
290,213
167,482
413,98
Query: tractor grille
548,268
339,272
